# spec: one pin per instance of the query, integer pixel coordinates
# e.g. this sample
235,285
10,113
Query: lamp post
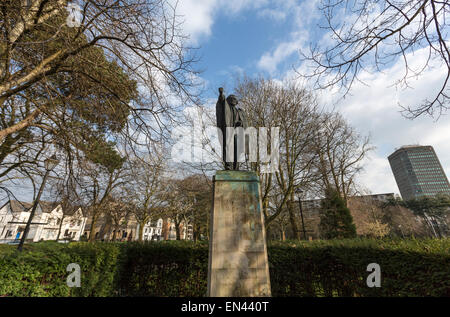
299,192
49,164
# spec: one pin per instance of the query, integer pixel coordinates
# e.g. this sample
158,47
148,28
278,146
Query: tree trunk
116,228
141,230
59,229
92,233
177,230
293,221
195,232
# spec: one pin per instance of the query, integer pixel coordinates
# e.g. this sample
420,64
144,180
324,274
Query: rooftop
46,206
411,146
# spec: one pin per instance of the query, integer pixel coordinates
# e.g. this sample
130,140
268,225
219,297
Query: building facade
169,231
105,230
371,216
152,230
50,222
418,172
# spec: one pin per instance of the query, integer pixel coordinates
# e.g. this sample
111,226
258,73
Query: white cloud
370,109
377,176
198,15
198,19
274,14
374,109
235,6
303,15
270,60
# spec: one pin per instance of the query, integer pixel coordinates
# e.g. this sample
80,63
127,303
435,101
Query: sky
263,37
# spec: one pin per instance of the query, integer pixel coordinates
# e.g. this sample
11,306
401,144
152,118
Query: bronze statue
229,115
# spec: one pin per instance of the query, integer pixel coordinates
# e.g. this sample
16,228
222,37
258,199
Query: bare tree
197,193
340,151
64,192
402,221
294,111
370,35
178,205
279,227
117,209
146,188
368,216
75,87
97,183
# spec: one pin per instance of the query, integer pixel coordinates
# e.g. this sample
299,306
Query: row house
128,230
154,230
50,222
169,230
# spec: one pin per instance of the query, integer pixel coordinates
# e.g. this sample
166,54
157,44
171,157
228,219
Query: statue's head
232,100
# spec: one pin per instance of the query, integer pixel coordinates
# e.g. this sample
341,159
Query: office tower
418,172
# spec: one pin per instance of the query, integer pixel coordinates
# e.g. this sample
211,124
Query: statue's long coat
227,116
224,113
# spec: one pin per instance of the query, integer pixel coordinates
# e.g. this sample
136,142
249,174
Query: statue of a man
229,115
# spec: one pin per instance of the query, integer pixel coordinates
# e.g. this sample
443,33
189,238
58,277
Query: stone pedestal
238,265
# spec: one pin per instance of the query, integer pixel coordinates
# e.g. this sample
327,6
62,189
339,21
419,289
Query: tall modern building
418,172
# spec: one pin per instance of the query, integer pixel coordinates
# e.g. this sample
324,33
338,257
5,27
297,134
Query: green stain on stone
245,182
239,176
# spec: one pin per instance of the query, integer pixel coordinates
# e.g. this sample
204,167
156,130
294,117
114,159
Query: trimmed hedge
40,270
179,268
338,268
172,268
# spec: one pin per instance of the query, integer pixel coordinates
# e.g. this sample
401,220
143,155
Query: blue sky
264,37
237,43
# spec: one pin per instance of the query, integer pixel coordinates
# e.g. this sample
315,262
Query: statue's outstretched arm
221,94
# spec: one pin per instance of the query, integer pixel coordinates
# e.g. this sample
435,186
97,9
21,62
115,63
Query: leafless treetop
369,35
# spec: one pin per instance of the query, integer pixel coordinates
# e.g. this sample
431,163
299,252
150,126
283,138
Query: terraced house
50,222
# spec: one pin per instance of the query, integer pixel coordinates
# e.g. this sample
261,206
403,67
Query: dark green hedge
40,270
178,268
338,268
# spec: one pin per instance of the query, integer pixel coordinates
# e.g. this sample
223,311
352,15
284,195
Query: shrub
179,268
338,267
172,268
40,270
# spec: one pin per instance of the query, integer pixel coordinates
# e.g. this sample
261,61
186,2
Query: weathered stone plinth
238,265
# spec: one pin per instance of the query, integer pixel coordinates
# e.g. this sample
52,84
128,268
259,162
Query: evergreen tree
336,222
